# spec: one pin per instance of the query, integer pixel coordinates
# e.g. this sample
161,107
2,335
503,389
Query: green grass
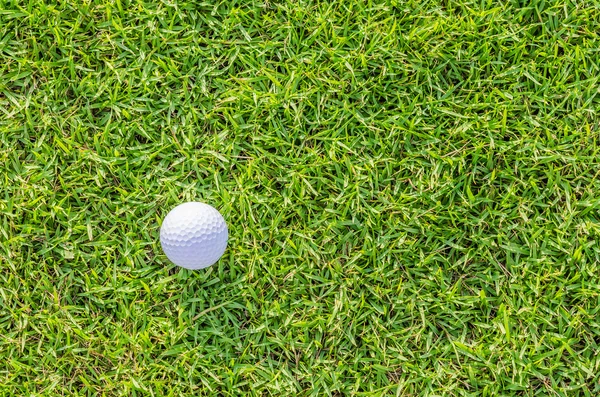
412,190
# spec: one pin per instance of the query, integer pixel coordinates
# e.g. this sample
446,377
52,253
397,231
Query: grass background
411,189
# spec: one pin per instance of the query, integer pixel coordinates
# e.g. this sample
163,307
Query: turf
411,189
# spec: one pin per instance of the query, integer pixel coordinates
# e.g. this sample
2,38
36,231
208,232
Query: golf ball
193,235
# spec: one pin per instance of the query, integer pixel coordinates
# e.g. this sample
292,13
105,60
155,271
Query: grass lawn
411,187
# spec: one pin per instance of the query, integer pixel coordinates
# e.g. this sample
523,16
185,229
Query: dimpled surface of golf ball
193,235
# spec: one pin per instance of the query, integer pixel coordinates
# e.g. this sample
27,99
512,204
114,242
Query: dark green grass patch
411,190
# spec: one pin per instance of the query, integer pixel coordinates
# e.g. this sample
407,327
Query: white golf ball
193,235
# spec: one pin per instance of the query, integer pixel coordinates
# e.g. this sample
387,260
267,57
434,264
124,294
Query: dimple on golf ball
193,235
